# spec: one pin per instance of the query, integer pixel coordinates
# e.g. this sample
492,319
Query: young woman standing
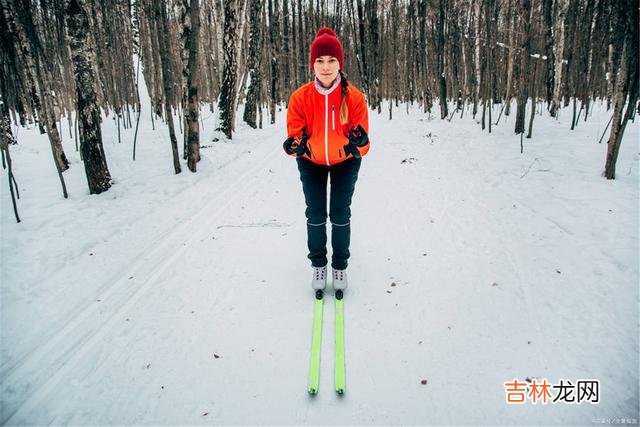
327,125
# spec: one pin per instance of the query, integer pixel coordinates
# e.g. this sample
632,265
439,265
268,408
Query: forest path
472,265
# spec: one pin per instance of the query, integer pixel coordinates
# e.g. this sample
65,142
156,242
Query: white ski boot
319,280
339,279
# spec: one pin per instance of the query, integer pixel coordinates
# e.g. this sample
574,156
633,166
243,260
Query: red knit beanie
325,43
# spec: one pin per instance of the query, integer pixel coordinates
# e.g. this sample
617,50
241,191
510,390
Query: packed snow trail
86,325
186,299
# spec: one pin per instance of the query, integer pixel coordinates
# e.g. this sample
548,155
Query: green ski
316,344
339,362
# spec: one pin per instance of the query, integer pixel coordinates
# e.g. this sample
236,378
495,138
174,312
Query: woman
327,125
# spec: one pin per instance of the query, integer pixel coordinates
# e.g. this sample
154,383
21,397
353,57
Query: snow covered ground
186,300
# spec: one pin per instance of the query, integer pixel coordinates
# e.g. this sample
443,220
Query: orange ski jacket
315,111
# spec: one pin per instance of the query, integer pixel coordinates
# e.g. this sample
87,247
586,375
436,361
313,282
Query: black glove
357,138
295,146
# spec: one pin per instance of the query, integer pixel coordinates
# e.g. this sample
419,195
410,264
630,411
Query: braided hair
344,110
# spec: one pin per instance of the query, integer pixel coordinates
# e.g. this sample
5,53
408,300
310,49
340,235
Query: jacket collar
327,91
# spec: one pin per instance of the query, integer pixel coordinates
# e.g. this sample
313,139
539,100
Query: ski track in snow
61,353
138,261
459,275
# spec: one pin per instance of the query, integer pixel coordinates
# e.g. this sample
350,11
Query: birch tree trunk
273,50
191,36
285,43
59,158
558,49
363,49
525,11
253,64
442,82
163,34
510,55
548,49
592,29
82,53
465,68
533,97
476,93
29,51
303,68
227,95
613,58
47,117
627,78
374,48
7,139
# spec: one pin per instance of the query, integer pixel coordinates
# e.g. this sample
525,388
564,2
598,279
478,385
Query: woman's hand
357,138
297,146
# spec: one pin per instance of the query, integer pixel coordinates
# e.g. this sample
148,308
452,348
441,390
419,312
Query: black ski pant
314,184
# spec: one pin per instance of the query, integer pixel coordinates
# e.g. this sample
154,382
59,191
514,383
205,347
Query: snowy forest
154,233
59,57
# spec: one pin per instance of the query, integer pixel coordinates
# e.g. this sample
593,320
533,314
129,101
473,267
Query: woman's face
326,69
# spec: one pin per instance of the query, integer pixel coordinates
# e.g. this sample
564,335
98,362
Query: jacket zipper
333,122
326,127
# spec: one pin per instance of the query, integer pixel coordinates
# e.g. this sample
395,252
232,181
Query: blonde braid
344,110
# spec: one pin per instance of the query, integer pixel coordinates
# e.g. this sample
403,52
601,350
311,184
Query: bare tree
510,55
31,62
7,139
547,8
442,82
190,37
162,34
626,39
227,92
523,96
274,48
253,63
285,44
477,10
374,48
95,162
558,48
362,43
